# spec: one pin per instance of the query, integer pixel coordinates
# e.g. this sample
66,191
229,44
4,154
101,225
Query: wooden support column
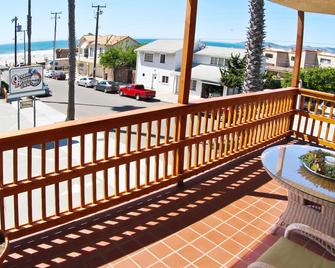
186,64
185,76
298,50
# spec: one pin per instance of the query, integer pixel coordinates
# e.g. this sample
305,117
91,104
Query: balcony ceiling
315,6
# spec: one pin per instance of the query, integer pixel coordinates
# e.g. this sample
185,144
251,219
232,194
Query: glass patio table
311,198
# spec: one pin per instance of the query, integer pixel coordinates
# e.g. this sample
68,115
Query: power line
99,12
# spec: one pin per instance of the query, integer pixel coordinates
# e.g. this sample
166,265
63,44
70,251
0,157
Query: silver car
87,82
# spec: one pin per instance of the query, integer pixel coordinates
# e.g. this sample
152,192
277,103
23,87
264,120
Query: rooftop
109,39
169,46
220,52
205,72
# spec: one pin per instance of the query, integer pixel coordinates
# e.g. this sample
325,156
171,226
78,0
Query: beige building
326,59
86,47
281,61
276,57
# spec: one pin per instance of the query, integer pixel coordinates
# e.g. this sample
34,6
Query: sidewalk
45,115
166,96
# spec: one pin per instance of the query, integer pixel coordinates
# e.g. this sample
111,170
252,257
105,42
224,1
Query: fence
55,174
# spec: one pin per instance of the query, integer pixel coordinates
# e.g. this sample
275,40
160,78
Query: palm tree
29,31
72,60
254,46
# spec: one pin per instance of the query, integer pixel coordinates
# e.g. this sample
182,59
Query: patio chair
288,254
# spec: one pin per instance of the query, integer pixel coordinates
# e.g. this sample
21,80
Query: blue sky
224,20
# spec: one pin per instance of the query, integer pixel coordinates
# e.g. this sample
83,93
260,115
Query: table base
309,210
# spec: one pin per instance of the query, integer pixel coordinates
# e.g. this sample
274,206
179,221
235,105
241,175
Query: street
90,102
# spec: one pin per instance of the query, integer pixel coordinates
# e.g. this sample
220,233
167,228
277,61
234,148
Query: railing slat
137,163
105,172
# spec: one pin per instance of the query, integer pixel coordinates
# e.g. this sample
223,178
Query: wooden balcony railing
315,119
55,174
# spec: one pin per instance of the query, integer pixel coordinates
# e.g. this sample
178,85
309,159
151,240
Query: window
91,52
214,61
165,79
292,58
221,62
193,85
162,58
148,57
86,53
217,61
268,55
325,61
139,87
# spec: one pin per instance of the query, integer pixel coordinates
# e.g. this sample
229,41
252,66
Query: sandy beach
37,56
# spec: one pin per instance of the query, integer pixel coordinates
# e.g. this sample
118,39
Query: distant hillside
242,45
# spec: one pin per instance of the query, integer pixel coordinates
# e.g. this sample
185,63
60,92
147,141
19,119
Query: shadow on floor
113,234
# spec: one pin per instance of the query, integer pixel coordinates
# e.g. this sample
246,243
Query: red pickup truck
137,91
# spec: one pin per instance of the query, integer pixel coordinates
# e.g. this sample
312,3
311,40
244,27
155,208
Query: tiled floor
221,219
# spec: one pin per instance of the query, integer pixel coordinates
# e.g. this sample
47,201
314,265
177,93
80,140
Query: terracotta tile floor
220,219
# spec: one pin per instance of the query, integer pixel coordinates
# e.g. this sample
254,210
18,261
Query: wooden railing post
297,62
185,77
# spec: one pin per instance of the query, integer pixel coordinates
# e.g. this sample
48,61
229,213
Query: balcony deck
220,218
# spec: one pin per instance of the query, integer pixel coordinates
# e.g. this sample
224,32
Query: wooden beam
185,78
186,64
298,49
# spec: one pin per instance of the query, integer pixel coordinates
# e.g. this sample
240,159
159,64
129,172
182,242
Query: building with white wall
157,62
158,67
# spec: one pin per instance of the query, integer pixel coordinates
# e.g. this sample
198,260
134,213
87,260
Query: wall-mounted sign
25,82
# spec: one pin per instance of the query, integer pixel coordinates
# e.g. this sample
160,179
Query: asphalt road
90,102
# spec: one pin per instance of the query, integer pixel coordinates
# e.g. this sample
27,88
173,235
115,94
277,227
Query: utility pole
99,12
55,17
29,31
24,46
15,39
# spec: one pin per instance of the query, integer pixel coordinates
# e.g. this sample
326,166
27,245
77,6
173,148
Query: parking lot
90,102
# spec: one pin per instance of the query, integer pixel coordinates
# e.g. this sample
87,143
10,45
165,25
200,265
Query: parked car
137,91
58,75
107,86
87,82
48,73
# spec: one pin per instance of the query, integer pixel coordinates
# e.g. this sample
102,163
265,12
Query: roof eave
314,6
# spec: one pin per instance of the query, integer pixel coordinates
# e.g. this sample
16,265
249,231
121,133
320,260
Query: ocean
48,45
